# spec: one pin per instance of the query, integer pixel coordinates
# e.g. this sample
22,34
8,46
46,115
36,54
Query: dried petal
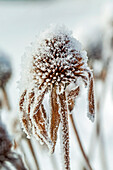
25,117
41,123
71,98
54,117
91,102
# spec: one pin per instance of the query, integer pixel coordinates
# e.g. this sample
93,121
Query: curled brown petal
54,117
91,102
31,97
39,99
41,126
71,98
26,121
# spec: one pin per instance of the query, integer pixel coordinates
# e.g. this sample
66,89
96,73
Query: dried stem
65,130
33,153
6,167
25,159
6,98
54,162
15,161
79,142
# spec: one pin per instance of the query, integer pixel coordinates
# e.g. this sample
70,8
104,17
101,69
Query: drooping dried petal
41,124
71,98
39,101
65,129
91,102
25,116
54,117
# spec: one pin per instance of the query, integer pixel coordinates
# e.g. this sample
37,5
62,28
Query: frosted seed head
56,51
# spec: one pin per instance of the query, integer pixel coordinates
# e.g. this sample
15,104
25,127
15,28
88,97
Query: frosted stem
79,142
33,153
25,158
6,98
65,130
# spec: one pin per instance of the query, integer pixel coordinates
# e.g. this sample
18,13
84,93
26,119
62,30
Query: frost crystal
55,61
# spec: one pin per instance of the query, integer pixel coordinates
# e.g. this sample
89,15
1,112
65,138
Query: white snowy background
20,22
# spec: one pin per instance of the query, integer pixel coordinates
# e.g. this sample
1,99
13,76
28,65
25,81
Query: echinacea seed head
56,55
59,54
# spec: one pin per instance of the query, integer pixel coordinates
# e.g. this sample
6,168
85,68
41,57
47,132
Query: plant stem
65,131
79,142
33,153
25,159
6,98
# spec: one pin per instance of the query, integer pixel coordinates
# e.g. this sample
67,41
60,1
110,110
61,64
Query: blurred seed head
94,50
5,69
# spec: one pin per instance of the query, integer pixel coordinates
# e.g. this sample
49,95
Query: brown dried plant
57,67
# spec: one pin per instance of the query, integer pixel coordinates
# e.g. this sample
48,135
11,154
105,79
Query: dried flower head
94,50
56,62
5,69
6,154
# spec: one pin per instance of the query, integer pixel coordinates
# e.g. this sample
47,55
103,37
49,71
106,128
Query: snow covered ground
20,22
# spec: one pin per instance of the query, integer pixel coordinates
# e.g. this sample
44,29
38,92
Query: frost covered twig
65,129
6,97
56,63
33,154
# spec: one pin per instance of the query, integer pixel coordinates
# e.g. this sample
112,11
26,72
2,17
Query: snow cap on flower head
56,53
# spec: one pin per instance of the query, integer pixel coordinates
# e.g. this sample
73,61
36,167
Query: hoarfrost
55,64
